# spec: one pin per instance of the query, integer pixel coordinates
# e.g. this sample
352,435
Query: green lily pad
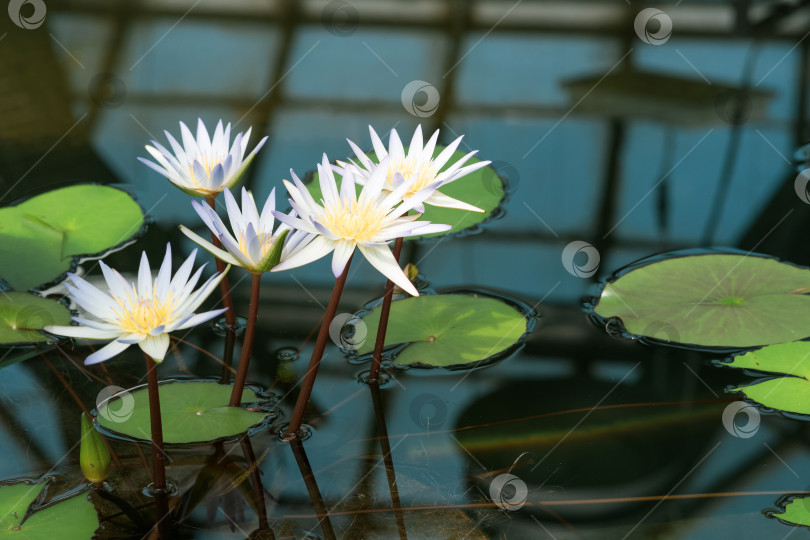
40,237
191,412
713,300
25,518
796,511
447,330
482,188
790,393
23,315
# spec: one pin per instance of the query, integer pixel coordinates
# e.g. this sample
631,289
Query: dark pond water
630,142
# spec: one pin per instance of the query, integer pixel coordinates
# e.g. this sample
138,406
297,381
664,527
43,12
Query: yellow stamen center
350,221
208,163
144,314
409,168
265,240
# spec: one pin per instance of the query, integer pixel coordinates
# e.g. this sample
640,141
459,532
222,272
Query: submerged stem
317,354
158,456
227,302
247,345
385,311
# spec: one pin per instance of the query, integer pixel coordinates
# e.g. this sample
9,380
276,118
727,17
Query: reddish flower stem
247,345
158,456
317,354
385,311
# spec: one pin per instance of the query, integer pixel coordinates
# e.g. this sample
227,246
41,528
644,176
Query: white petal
209,247
379,147
383,260
144,278
105,353
445,201
164,276
343,250
82,332
319,247
200,318
155,346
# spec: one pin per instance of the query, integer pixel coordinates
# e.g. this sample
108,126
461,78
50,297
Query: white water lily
143,313
418,165
253,245
343,221
203,166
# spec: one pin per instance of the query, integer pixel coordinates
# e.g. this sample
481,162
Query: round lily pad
449,330
40,237
712,300
23,315
24,517
192,412
482,188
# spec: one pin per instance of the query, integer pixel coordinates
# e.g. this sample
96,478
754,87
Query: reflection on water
576,435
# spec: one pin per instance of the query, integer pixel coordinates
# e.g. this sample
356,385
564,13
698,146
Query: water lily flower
203,166
143,313
343,221
417,165
253,245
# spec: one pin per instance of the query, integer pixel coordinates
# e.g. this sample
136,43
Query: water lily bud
94,456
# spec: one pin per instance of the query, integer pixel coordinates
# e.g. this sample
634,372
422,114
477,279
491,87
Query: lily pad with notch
793,510
25,517
23,315
483,188
40,237
789,393
454,331
193,412
715,300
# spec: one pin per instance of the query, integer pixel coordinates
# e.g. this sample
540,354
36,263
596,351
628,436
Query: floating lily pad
448,330
191,412
25,518
40,237
790,393
23,315
713,300
482,188
795,511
